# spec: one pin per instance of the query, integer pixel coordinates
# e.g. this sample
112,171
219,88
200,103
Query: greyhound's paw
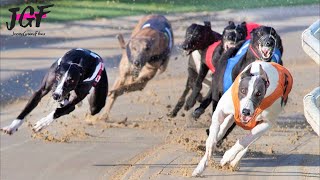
235,164
197,112
189,104
43,122
199,170
91,119
172,114
13,127
227,157
236,161
231,154
104,117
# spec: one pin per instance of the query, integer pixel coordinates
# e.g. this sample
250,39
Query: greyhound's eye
243,90
70,81
258,94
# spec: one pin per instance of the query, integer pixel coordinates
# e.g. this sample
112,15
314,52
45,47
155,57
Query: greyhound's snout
184,46
136,63
246,112
229,37
56,96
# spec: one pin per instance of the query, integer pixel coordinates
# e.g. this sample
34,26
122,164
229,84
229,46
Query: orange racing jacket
282,91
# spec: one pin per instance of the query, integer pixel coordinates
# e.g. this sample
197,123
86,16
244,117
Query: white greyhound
254,100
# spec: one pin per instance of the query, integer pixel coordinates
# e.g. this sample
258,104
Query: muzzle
266,44
231,41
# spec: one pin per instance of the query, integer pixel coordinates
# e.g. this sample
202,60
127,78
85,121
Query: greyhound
197,39
254,100
146,53
71,78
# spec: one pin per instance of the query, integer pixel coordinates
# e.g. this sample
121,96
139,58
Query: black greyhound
197,39
70,78
231,37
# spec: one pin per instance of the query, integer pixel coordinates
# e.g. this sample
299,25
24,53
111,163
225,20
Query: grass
69,10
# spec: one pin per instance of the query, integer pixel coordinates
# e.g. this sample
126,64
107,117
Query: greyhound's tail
121,41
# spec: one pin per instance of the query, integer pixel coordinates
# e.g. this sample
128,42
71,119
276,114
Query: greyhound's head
264,40
232,35
140,49
252,90
67,79
197,37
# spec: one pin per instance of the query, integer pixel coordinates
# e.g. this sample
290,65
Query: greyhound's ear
263,75
231,23
243,23
273,31
247,72
121,41
207,23
253,32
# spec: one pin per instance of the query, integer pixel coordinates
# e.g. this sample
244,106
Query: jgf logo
28,16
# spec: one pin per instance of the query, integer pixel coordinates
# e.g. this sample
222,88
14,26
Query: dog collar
254,52
96,76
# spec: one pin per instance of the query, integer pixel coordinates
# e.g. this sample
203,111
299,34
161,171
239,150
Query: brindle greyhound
146,53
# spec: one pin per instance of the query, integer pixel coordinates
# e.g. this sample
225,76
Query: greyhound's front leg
112,97
45,87
226,124
46,121
137,85
203,105
211,142
237,151
196,87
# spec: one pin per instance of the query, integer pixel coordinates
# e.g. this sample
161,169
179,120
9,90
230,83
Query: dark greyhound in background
271,41
264,45
232,36
146,53
70,78
197,39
